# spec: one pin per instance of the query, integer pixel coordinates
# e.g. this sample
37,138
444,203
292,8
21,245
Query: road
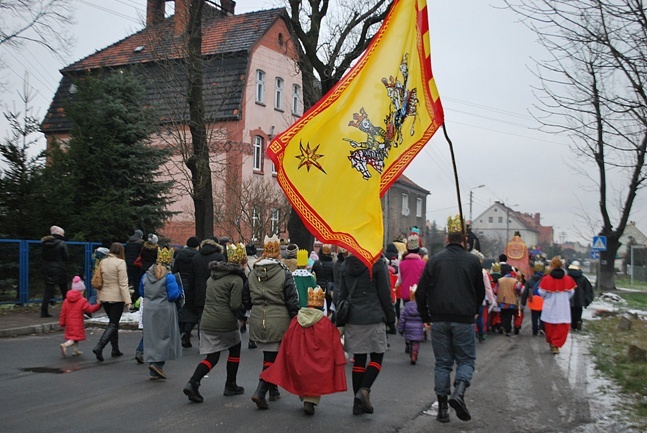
518,387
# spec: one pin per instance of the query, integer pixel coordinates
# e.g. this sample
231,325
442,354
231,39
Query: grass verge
626,282
610,351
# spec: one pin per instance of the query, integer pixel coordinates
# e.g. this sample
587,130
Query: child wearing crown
303,278
311,359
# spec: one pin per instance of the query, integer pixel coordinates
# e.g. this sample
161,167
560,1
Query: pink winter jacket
72,314
411,267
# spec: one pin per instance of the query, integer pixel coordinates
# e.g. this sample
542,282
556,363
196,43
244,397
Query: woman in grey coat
160,290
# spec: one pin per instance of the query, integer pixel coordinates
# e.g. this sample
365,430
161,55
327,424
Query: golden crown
316,297
454,224
271,247
164,256
236,253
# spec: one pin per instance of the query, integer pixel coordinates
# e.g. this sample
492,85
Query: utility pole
471,196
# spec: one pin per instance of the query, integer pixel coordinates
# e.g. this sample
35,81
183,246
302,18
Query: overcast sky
482,61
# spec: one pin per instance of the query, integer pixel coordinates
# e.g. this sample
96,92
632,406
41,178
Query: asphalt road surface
518,386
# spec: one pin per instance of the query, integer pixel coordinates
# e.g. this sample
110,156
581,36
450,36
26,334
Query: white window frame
418,207
296,99
257,163
255,223
405,204
274,221
279,83
260,86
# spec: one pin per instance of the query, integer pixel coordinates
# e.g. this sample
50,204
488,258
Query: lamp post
471,195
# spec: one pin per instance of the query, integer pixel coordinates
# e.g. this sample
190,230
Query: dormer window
138,48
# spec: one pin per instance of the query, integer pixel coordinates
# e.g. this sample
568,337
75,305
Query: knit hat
326,249
77,284
138,234
302,258
193,242
291,251
413,243
250,249
574,265
56,230
152,238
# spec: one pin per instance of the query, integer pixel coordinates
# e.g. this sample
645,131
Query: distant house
404,205
631,236
252,91
499,223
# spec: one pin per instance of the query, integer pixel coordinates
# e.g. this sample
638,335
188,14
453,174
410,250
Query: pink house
252,91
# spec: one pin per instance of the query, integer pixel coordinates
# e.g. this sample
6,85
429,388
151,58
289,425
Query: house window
258,153
500,219
418,207
278,94
490,219
255,225
274,221
260,86
273,168
405,204
296,98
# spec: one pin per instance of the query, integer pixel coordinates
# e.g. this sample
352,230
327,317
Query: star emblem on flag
309,157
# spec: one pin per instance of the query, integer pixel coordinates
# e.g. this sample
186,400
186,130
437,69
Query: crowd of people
308,312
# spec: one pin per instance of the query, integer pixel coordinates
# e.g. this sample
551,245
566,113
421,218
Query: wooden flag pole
458,189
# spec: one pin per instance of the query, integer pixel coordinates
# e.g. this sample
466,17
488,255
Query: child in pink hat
72,316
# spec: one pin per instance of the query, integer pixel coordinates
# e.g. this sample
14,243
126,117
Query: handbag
179,302
97,278
343,308
138,263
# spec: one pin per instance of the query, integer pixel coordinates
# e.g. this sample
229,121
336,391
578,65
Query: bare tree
593,89
331,38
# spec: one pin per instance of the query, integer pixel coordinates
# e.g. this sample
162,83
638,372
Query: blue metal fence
21,276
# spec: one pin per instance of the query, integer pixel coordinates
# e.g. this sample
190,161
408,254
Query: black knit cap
250,249
193,242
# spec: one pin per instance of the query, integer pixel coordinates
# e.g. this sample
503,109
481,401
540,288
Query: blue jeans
452,342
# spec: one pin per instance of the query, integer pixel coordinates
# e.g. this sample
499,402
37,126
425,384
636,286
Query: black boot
457,403
259,395
103,341
274,392
191,391
115,344
443,409
186,341
362,403
232,389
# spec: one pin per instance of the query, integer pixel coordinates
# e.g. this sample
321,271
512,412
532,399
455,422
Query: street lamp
476,187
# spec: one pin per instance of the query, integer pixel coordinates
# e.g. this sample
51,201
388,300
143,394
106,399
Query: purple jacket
410,323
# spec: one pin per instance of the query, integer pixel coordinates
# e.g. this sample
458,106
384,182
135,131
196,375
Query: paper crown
236,253
478,254
164,256
271,247
454,224
496,267
302,258
316,297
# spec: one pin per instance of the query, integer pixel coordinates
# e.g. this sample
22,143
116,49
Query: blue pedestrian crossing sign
599,243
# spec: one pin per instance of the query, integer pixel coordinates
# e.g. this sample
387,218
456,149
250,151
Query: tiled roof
226,46
406,181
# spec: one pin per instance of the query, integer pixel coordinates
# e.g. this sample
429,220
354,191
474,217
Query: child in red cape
311,360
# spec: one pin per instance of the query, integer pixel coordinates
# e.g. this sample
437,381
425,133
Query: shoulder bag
97,278
343,309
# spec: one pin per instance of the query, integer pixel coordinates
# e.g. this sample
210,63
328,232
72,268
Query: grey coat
159,316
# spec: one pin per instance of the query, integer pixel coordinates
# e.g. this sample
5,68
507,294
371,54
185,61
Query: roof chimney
181,18
155,12
228,6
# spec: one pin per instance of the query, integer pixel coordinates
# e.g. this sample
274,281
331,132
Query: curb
42,328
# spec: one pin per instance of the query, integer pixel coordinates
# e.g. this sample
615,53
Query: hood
354,266
151,274
309,316
74,295
186,254
51,239
557,273
575,273
135,238
209,246
265,268
150,246
220,269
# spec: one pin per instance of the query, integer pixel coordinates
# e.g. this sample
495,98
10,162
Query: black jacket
182,264
583,295
323,270
55,255
451,287
195,292
149,255
371,299
132,249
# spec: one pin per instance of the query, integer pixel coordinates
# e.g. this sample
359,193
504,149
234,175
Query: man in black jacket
182,265
450,292
132,250
582,296
55,256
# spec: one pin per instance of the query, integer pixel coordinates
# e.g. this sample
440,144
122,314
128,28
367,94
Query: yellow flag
336,162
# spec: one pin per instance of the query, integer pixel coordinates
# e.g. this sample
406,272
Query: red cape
310,360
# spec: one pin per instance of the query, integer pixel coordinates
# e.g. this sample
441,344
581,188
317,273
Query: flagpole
458,189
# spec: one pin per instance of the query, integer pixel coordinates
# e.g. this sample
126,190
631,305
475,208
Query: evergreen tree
107,180
20,181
